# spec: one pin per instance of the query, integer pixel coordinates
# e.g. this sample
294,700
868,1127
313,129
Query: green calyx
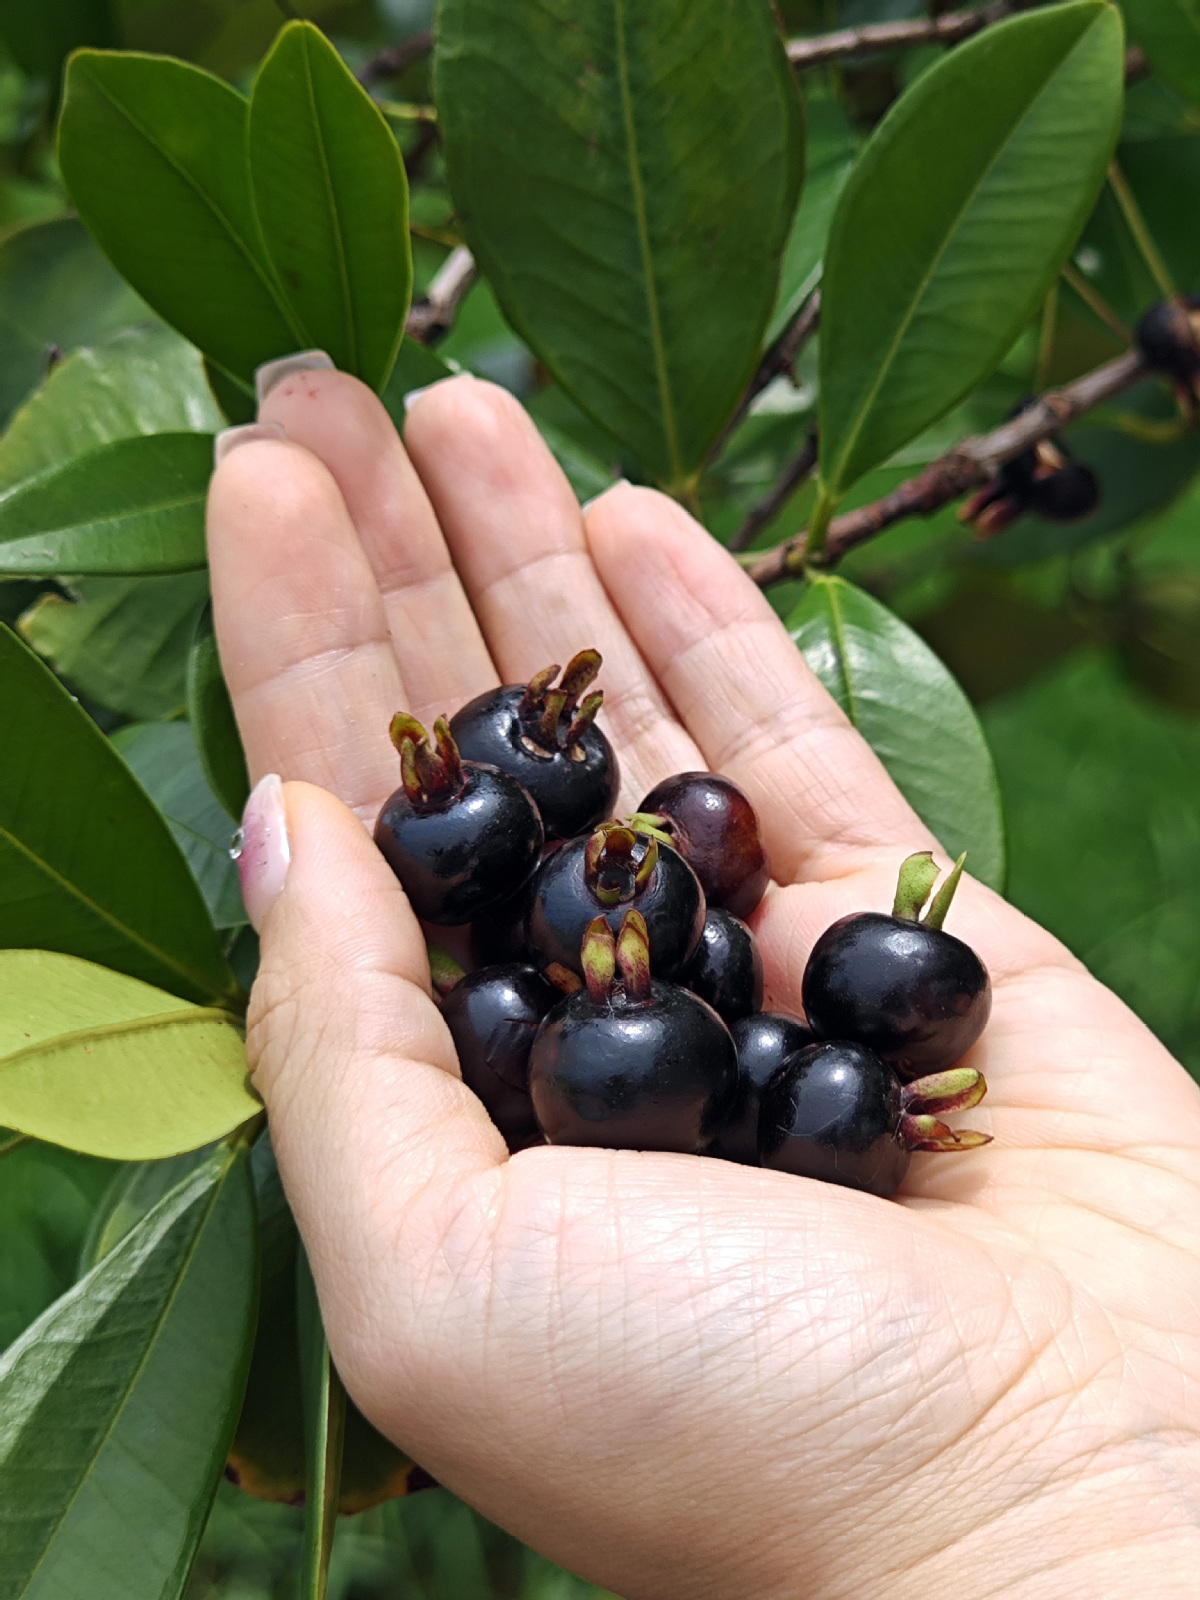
918,874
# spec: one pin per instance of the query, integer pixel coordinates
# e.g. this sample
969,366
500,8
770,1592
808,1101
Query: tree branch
434,313
973,462
876,36
391,61
792,476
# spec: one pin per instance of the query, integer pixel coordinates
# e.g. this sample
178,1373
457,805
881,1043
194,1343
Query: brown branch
793,475
392,60
973,462
434,313
779,358
875,36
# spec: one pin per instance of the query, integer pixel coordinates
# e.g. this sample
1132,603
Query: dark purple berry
610,872
766,1044
727,968
547,738
631,1063
840,1114
493,1015
911,992
714,827
1042,480
1168,337
459,836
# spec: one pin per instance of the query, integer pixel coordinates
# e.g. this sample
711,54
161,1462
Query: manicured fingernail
261,848
616,484
229,438
413,395
274,372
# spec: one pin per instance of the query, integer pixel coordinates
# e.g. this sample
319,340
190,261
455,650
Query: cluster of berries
617,993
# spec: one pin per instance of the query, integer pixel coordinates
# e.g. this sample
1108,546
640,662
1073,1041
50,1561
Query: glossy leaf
911,712
1168,31
214,726
102,1063
830,156
979,180
324,1437
136,1188
626,177
123,642
332,201
132,507
180,225
87,865
117,1405
48,1197
56,292
144,380
164,760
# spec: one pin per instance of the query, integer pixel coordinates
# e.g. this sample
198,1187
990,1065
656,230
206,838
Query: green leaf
123,642
48,1197
87,865
164,760
626,177
213,723
832,148
117,1405
180,225
133,507
1168,31
56,292
332,201
136,1188
956,220
143,380
102,1063
324,1436
911,712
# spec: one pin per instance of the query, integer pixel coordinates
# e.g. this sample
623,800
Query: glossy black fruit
1167,337
913,993
840,1114
608,873
460,837
493,1016
631,1063
1042,480
727,968
766,1044
715,828
547,738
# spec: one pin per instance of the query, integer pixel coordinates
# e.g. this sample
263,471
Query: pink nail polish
261,848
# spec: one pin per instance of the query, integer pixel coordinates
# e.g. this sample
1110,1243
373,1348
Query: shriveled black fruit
1043,480
493,1015
630,1062
712,824
1168,337
913,993
727,968
460,837
766,1044
610,872
547,738
840,1114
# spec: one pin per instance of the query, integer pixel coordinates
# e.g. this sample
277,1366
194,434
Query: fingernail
413,395
261,848
229,438
616,484
274,372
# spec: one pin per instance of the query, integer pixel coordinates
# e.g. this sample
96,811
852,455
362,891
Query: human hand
678,1376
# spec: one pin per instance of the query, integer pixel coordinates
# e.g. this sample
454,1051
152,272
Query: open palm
677,1376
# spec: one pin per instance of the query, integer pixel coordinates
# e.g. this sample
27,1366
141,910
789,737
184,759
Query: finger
438,643
516,535
744,692
303,638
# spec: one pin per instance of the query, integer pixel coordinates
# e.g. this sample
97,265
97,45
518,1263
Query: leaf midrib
108,1030
334,213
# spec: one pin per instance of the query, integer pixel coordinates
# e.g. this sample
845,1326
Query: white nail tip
413,395
229,438
617,483
272,373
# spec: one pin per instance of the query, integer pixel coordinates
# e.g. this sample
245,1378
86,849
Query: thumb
367,1110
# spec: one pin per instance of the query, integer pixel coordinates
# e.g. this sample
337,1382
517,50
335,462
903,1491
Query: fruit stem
957,1089
579,672
927,1133
531,700
553,705
917,877
426,774
940,903
584,717
444,970
598,958
633,956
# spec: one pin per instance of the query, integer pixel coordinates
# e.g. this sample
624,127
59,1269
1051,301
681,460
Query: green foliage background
1071,652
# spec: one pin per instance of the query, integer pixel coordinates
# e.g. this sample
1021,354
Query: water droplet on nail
236,842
